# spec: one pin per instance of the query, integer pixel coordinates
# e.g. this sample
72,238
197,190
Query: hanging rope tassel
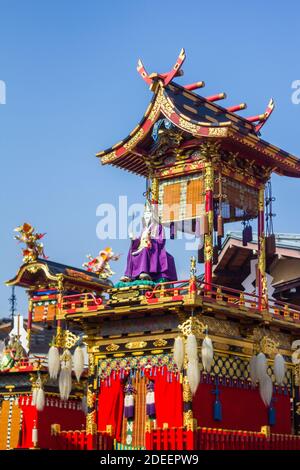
279,368
191,347
129,401
207,353
266,389
172,231
65,376
78,361
34,396
150,400
178,355
217,405
261,366
53,362
272,415
193,374
253,370
40,399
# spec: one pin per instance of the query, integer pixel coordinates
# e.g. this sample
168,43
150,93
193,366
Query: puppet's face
147,217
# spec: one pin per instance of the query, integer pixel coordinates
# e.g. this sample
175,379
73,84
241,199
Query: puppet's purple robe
154,261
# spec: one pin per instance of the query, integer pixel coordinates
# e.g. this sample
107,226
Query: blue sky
73,89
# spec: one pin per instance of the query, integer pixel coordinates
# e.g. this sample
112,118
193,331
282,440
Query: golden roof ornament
34,248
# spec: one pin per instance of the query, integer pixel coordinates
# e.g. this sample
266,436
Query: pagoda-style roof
196,118
45,272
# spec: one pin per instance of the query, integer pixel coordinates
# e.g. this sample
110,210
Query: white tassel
53,362
178,355
261,366
40,399
65,376
279,368
191,348
253,370
34,396
266,389
207,353
193,375
129,400
65,384
78,361
150,398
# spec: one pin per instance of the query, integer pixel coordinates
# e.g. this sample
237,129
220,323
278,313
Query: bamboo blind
171,202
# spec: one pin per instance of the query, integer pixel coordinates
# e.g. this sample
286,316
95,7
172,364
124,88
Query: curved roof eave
161,103
282,162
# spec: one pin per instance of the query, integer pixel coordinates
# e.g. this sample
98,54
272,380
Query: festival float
206,362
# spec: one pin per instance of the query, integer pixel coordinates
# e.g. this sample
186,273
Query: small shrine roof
30,273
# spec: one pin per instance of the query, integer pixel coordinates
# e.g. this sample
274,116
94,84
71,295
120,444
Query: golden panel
136,345
112,347
160,343
157,351
217,132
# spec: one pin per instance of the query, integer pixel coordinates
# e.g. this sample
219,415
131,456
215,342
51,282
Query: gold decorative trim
136,345
160,343
112,347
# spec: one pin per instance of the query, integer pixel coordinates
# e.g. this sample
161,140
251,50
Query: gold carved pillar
261,272
296,398
187,402
154,190
60,288
209,212
91,417
29,321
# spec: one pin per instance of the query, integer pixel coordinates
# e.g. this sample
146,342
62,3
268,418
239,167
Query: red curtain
241,409
110,405
30,415
67,418
168,399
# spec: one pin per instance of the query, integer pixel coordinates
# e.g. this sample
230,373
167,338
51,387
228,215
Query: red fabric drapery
67,418
30,415
110,405
168,398
241,409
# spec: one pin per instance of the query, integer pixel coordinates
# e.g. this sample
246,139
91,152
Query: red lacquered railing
80,440
73,303
168,289
178,290
226,296
218,439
